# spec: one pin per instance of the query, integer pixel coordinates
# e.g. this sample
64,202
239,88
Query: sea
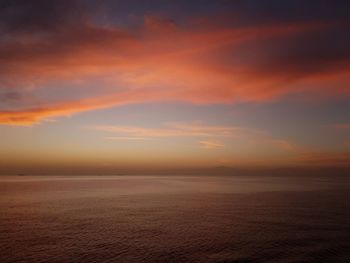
236,219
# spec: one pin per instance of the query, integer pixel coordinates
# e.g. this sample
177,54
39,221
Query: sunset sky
106,85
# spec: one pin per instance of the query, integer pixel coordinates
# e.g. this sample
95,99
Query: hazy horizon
307,171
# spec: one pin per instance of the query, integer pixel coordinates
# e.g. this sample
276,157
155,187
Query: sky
108,85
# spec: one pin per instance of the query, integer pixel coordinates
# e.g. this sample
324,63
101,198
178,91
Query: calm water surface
174,219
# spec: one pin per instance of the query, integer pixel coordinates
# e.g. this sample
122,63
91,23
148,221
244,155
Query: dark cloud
256,11
313,52
10,96
39,31
18,16
35,29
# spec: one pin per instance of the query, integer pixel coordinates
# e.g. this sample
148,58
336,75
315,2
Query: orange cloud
211,144
160,61
210,136
176,130
128,138
34,115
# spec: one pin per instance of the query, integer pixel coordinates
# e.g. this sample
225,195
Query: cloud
342,126
210,136
124,138
30,116
45,45
302,159
176,130
286,145
211,144
325,158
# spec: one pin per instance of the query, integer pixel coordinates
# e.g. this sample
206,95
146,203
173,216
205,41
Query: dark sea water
174,219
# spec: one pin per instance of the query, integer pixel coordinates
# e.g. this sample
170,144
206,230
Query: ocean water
174,219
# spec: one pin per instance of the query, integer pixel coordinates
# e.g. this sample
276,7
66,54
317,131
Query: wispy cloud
286,145
124,138
210,136
194,129
211,144
342,126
